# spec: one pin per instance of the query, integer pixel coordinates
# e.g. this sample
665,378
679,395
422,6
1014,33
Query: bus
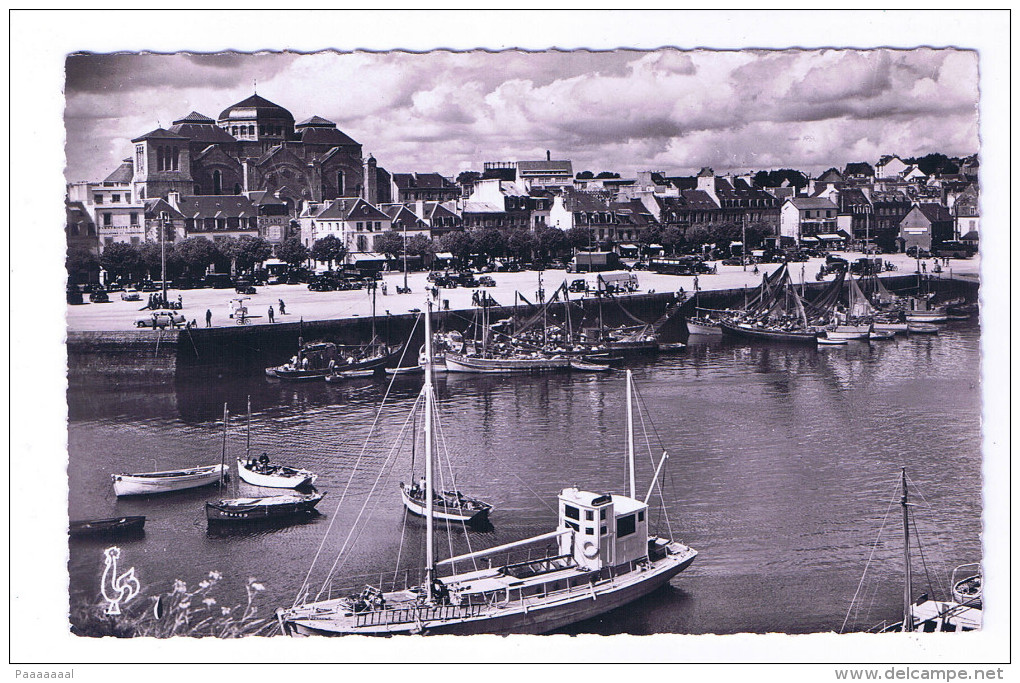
679,265
953,249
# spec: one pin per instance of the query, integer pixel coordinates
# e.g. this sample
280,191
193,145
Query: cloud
624,110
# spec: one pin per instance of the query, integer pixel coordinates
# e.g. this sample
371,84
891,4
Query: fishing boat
449,505
849,332
828,341
921,310
263,508
407,370
515,364
768,333
922,328
604,557
585,366
144,483
881,335
261,472
338,376
889,326
961,311
110,526
704,326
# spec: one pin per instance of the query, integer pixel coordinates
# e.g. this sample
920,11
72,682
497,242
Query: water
783,462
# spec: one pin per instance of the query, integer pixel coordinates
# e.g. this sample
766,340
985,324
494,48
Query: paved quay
120,316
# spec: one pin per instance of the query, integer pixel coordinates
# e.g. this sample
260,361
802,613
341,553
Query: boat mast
375,286
630,434
908,618
566,308
430,559
223,452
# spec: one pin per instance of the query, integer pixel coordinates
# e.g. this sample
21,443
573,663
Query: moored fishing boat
262,472
449,505
849,332
704,327
604,557
520,363
967,590
826,341
584,366
877,335
922,328
110,526
262,508
406,370
145,483
768,333
337,377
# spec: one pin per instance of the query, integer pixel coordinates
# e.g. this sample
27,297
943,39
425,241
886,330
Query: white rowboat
144,483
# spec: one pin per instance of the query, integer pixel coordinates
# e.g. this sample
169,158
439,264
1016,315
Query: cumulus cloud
624,110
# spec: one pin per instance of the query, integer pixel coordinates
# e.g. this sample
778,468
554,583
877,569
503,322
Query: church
253,146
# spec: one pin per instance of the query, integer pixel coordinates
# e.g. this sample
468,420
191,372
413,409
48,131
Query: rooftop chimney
548,155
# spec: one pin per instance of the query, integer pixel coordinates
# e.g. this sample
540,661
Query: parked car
912,252
99,296
162,318
486,281
147,286
244,287
130,295
578,286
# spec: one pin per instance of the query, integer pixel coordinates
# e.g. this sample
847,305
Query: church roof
316,122
325,136
264,109
212,205
207,132
158,134
123,174
194,117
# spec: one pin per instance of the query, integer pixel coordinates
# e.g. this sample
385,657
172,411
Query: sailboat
258,508
604,558
961,613
453,505
261,472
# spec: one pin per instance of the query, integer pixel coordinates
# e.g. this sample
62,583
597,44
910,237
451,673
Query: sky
623,111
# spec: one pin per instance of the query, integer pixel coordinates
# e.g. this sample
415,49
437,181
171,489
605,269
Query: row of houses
895,209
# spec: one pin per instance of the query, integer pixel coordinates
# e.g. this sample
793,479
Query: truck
618,282
593,261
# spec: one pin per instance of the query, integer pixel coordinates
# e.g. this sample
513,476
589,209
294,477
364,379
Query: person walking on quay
383,287
697,287
208,317
924,266
283,307
180,302
271,315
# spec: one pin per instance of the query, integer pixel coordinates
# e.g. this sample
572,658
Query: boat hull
291,478
937,316
523,618
922,328
107,527
417,507
763,334
472,364
146,483
702,329
890,327
242,511
849,332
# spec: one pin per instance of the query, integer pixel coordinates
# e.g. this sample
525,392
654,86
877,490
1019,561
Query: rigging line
920,550
354,526
350,478
944,569
445,448
658,487
871,555
400,548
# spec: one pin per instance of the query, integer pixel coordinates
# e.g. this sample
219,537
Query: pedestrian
383,287
697,287
283,308
180,302
924,266
271,314
208,318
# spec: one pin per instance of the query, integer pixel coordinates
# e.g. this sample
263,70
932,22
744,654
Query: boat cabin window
625,526
604,530
571,512
602,513
589,515
574,526
589,531
641,516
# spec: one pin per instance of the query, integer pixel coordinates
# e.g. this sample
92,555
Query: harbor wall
147,355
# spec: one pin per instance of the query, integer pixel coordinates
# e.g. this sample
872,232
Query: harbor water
783,468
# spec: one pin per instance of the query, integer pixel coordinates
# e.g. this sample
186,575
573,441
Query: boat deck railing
416,614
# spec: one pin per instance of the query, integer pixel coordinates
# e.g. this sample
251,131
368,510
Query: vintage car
161,318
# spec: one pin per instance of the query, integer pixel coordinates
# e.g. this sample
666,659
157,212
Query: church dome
256,109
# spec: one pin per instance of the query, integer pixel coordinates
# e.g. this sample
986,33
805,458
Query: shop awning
444,255
628,246
368,256
830,236
808,239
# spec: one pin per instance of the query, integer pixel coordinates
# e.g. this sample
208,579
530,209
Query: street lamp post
164,223
405,257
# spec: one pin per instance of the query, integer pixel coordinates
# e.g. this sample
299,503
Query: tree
196,254
390,243
328,250
651,234
551,241
585,175
121,260
579,237
776,178
604,175
250,250
468,177
520,244
459,243
82,265
292,251
489,242
672,239
152,259
420,245
931,164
